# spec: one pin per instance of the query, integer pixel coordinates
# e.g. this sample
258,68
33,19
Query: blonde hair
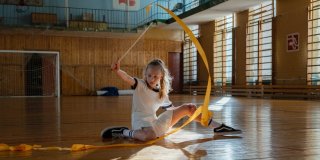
165,82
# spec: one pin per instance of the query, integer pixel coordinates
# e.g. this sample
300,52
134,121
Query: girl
151,93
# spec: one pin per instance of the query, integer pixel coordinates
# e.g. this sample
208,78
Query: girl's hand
115,66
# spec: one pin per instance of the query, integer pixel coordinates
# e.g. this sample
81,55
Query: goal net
29,73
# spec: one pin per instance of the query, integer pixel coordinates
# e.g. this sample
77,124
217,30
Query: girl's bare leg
144,134
184,110
148,133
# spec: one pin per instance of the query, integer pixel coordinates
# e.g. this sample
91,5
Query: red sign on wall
126,4
293,42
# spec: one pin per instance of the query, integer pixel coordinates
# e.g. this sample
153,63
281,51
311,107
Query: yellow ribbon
205,114
203,109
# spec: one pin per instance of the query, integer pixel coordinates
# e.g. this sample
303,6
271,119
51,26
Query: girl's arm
122,74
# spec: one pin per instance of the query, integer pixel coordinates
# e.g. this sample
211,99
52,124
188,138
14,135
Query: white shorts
161,125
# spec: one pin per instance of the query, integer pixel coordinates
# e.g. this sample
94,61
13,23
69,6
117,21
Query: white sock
213,123
128,133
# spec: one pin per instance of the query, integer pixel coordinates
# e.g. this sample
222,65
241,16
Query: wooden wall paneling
163,52
96,47
19,59
65,46
65,49
115,49
2,41
7,42
91,50
151,51
135,55
29,43
2,80
108,52
104,77
55,43
3,58
123,45
143,57
12,69
40,42
140,58
10,42
84,51
98,57
15,80
4,89
140,70
155,48
178,46
69,57
175,46
67,80
15,42
97,51
114,52
135,58
107,78
10,59
18,42
91,53
148,57
84,80
105,52
74,55
52,43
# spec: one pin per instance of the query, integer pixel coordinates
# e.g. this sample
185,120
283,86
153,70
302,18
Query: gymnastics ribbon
202,109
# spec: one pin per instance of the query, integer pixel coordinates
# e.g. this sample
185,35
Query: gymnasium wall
206,41
85,60
240,48
289,68
8,68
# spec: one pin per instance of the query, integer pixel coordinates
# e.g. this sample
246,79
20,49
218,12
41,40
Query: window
259,44
190,57
313,64
222,51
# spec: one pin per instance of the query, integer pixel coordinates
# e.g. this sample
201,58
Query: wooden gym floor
272,129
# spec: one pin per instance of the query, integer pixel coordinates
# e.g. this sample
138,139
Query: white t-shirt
145,104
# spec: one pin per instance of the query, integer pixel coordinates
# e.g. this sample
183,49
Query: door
33,78
175,68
